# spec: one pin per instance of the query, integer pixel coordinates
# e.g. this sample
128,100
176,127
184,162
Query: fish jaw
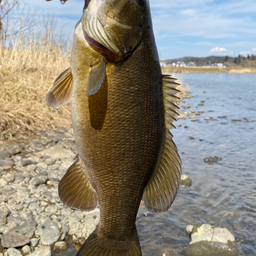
109,31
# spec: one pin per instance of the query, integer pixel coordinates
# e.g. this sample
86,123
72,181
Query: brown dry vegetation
28,67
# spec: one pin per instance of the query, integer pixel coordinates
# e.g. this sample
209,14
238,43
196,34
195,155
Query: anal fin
75,190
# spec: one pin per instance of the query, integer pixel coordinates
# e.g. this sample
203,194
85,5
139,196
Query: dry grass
28,67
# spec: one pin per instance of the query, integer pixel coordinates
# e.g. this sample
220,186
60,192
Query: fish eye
141,2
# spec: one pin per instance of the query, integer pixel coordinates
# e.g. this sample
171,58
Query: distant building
163,64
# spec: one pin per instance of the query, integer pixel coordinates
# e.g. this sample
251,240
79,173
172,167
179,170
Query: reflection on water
222,193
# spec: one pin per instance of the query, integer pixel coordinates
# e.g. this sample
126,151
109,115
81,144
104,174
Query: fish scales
124,150
122,110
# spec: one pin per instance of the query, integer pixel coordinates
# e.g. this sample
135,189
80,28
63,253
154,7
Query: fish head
114,27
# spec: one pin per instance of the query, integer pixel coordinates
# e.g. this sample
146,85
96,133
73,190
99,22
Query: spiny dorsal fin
170,99
75,190
162,188
61,92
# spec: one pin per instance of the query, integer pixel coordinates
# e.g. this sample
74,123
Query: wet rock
12,239
166,253
212,159
201,104
61,245
42,251
49,232
13,252
210,119
187,106
194,120
185,181
209,240
236,120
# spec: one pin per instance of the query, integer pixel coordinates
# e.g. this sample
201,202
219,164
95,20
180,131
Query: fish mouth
95,34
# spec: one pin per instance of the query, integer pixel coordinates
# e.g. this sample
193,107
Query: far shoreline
208,70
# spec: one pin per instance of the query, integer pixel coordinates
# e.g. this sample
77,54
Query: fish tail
96,245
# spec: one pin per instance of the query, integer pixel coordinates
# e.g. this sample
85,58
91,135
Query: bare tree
14,18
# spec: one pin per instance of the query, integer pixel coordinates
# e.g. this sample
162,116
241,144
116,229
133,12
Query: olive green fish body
122,111
119,132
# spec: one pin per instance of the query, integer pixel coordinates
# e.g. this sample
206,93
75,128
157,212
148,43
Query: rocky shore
34,222
32,218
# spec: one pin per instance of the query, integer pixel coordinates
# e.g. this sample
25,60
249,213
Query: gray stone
27,161
38,180
91,222
185,181
208,240
49,232
42,251
13,252
34,242
4,163
25,228
14,240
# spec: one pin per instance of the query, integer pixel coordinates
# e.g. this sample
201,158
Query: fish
122,108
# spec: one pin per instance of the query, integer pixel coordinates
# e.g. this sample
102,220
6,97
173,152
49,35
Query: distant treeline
249,61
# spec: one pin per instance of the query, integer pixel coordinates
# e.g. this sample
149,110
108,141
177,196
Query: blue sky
182,28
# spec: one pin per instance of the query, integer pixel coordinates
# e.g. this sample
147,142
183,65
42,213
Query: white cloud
250,52
218,50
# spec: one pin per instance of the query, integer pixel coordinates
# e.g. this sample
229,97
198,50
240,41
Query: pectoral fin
75,190
96,77
162,188
61,92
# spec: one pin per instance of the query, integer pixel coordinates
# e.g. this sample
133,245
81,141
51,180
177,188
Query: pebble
26,249
13,239
42,251
185,181
49,232
212,159
210,240
13,252
60,245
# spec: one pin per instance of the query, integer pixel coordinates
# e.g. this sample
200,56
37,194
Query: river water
223,193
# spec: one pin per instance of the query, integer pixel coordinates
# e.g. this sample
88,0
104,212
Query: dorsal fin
162,187
61,92
75,190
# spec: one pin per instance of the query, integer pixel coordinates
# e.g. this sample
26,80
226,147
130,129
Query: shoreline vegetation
29,64
229,70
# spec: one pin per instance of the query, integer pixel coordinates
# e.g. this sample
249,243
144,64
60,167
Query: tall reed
29,63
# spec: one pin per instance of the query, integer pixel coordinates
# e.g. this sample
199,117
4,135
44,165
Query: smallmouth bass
122,111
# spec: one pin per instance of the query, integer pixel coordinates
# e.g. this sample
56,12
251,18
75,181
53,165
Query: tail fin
96,245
